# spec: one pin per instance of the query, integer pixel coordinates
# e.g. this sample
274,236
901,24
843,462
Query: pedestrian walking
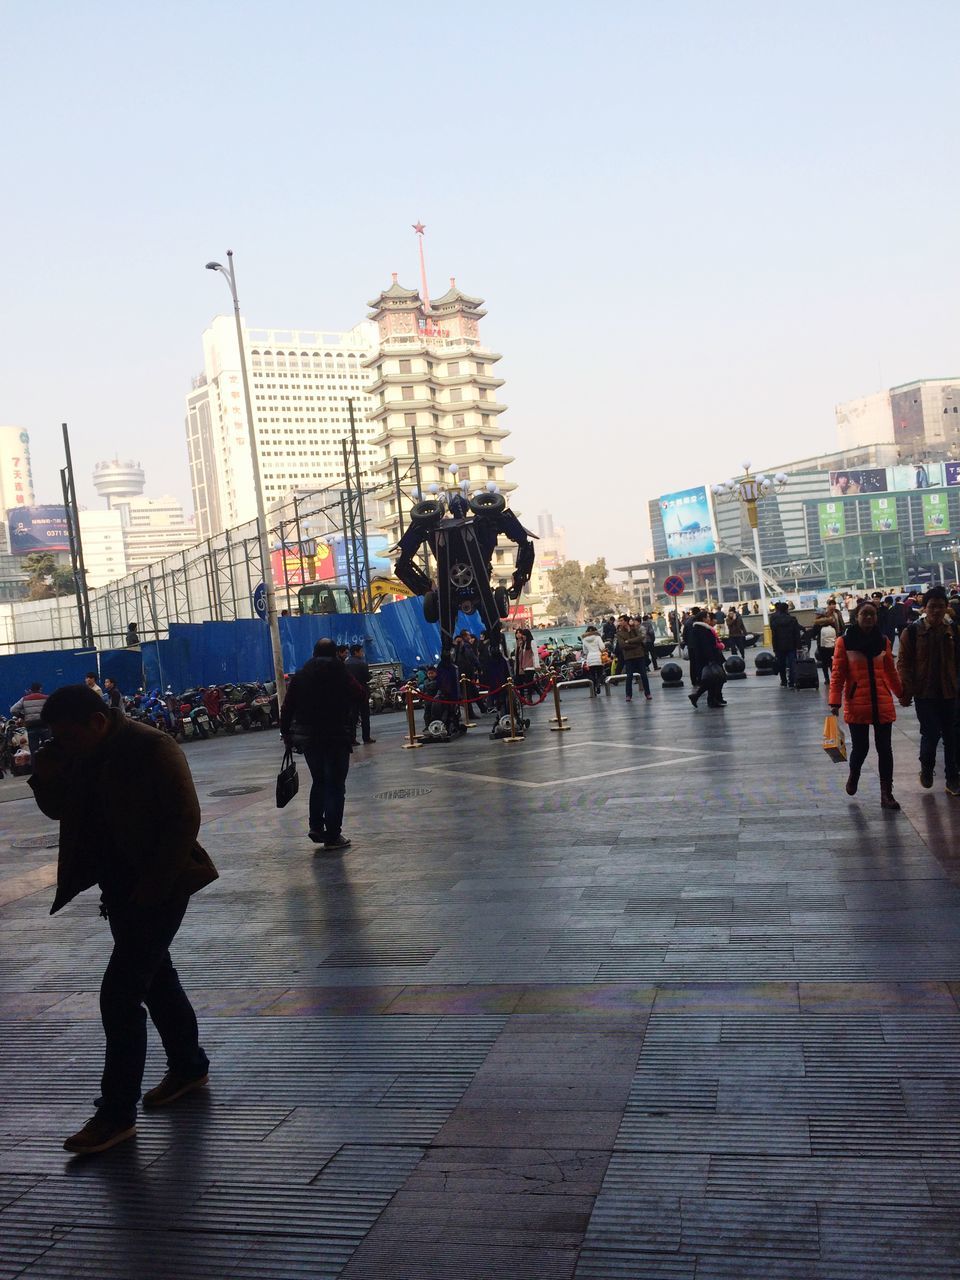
90,680
650,635
592,647
826,632
112,695
865,680
608,632
359,668
736,632
632,640
129,818
787,635
315,718
928,664
706,658
30,707
525,660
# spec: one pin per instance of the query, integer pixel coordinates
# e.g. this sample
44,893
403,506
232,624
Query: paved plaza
649,999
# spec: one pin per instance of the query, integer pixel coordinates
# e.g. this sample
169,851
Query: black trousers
140,972
937,718
328,767
860,744
738,644
361,714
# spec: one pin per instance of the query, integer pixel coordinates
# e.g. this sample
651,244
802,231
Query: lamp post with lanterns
871,561
748,490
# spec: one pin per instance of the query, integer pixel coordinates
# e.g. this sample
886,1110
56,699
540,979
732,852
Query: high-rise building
153,528
433,374
921,418
300,383
16,476
103,554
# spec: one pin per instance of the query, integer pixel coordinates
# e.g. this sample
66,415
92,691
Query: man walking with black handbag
316,717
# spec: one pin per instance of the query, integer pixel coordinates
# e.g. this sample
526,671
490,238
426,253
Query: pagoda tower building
434,376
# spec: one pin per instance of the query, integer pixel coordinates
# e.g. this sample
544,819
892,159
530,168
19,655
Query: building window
458,420
409,419
456,394
460,446
406,393
406,366
453,369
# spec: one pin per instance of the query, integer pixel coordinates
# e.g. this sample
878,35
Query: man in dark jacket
358,667
929,667
129,818
30,707
787,634
316,716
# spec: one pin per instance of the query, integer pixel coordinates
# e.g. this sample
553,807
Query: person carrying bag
865,679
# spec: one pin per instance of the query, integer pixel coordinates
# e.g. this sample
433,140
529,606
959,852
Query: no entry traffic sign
674,585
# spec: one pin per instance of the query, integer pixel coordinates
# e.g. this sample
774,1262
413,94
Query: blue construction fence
54,667
227,652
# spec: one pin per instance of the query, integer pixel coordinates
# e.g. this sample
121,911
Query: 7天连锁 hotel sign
38,529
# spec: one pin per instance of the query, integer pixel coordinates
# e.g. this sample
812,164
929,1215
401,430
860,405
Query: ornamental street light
271,598
871,561
749,490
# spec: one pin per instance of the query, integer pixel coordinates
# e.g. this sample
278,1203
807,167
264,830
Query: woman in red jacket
865,676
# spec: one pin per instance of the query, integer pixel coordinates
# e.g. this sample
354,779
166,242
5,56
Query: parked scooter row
203,711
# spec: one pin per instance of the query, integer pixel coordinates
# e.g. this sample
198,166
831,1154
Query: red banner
292,566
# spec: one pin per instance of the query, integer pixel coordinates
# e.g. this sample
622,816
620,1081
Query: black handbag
713,673
288,784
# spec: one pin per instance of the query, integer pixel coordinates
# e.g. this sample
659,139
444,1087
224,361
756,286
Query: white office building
153,528
101,533
300,384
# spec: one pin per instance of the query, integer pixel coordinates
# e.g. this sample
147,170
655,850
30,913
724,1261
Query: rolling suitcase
806,674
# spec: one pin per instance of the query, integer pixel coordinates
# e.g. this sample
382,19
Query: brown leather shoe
98,1134
172,1087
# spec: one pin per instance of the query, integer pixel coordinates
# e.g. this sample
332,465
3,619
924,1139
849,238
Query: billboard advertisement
380,562
688,522
922,475
883,515
831,519
313,562
866,480
951,473
936,519
38,529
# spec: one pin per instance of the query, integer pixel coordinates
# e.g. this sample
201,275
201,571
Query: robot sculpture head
462,533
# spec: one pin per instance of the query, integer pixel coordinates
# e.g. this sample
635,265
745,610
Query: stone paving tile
545,1036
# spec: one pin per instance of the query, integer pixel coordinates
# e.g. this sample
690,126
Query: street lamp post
271,601
749,490
872,561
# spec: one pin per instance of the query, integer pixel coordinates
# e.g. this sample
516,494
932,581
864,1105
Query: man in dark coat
316,717
359,668
129,818
787,635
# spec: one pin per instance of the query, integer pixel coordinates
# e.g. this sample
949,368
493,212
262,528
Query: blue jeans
636,667
140,972
937,718
328,768
787,666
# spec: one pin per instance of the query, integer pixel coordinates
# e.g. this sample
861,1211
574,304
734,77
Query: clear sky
697,225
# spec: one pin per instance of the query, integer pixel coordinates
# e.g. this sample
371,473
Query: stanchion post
559,722
411,723
511,703
467,722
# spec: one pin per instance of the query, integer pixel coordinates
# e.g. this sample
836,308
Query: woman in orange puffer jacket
865,676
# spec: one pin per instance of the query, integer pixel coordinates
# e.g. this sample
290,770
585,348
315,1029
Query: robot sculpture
462,533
